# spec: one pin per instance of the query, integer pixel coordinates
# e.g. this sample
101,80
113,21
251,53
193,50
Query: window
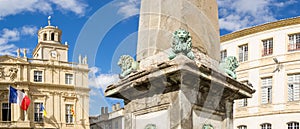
116,125
242,127
38,77
294,42
69,113
69,78
266,126
294,87
6,112
293,125
38,113
266,91
45,37
267,47
223,55
243,103
243,53
52,36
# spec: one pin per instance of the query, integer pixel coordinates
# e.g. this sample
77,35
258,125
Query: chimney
106,110
114,107
102,110
118,106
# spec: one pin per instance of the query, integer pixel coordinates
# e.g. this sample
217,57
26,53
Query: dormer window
52,36
45,37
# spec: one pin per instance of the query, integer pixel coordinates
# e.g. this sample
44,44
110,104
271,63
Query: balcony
267,51
294,47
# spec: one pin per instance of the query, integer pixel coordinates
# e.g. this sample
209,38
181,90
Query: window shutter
264,95
296,92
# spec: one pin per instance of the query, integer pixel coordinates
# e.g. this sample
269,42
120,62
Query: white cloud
129,8
12,35
99,81
239,14
13,7
71,5
29,30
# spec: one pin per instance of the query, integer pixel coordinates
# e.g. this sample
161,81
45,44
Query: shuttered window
266,91
294,87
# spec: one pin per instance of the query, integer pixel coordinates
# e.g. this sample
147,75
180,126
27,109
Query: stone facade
50,81
272,67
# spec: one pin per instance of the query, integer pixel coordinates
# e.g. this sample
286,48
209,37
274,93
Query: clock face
53,53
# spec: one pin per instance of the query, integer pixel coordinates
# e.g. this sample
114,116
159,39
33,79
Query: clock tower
49,45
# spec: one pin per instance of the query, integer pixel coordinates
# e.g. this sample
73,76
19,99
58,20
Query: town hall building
50,81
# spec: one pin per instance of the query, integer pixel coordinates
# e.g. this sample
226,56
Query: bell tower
49,45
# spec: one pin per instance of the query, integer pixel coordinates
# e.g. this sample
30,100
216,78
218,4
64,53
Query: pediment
10,59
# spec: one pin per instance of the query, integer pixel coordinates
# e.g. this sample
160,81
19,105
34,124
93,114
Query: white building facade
269,57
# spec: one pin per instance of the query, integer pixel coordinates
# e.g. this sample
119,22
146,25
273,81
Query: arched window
242,127
45,37
293,125
52,36
266,126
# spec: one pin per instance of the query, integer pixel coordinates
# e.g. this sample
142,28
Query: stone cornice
260,28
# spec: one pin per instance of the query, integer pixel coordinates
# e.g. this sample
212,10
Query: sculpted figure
150,126
128,65
12,73
2,73
229,66
182,43
207,126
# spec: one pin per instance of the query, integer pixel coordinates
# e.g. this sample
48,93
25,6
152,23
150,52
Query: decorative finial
49,20
79,59
18,52
24,52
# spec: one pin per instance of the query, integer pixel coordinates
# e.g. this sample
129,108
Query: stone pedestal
178,94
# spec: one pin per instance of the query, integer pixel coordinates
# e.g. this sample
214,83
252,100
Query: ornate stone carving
182,43
150,126
229,66
2,76
207,126
12,73
128,65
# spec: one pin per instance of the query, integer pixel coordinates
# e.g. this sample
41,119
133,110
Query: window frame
38,76
242,127
294,42
223,54
69,78
268,45
293,83
295,125
269,87
243,52
68,114
38,113
9,112
266,126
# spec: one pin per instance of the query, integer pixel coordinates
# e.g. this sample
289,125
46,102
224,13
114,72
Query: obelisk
160,18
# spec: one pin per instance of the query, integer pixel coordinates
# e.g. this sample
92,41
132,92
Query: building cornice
260,28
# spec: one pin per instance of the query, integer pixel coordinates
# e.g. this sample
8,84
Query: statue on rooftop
128,65
182,43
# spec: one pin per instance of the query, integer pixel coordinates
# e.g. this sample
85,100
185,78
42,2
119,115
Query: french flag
16,96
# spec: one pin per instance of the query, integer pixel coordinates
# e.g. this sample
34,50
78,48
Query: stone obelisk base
178,94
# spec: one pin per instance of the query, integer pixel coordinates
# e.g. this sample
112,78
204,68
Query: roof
260,28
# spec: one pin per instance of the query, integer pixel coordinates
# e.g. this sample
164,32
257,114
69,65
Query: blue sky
104,29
